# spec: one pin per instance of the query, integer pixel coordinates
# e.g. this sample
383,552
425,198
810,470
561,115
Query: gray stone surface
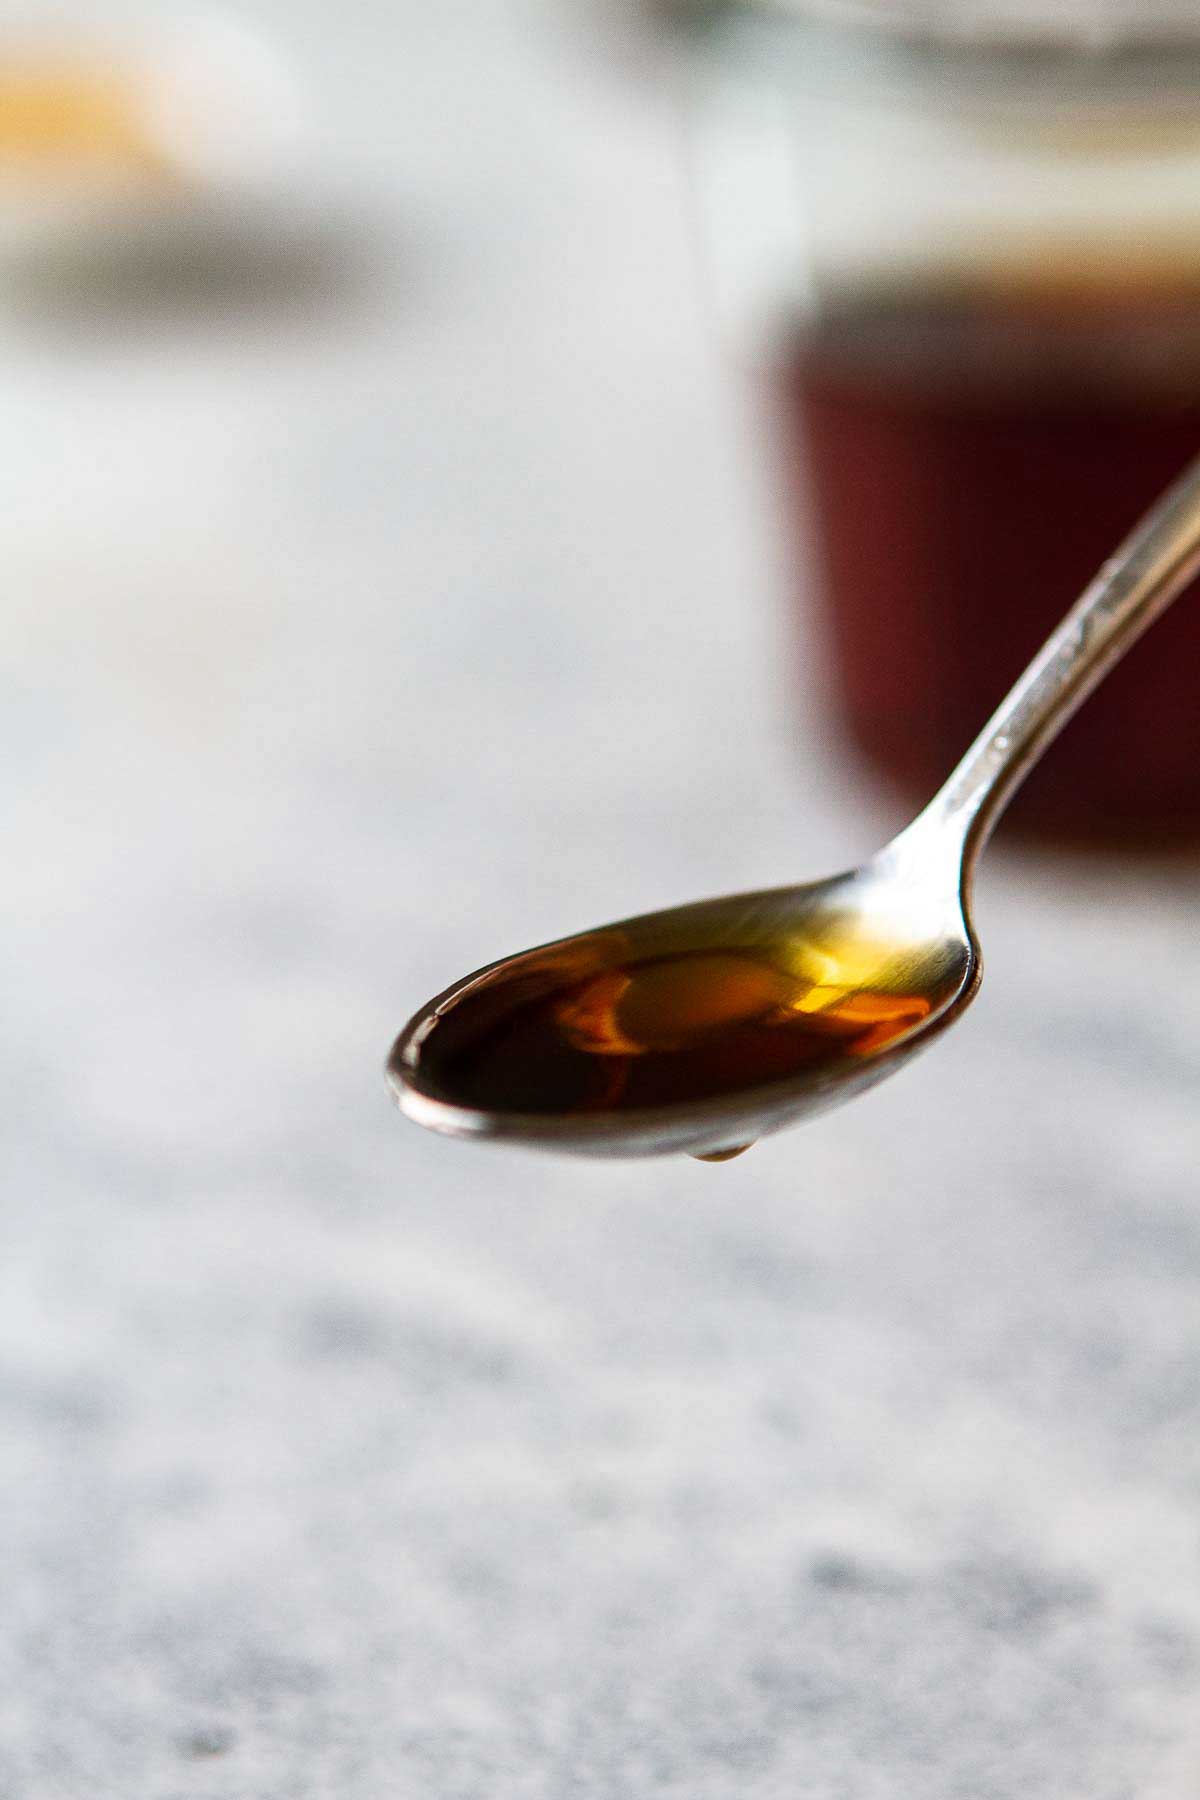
343,653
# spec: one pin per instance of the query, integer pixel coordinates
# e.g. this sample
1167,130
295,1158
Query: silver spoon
704,1027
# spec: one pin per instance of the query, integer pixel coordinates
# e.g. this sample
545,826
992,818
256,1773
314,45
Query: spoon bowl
702,1028
698,1029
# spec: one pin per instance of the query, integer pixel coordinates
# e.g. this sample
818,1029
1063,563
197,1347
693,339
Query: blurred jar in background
970,237
149,163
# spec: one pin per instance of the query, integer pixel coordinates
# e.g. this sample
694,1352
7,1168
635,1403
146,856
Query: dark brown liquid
974,458
569,1033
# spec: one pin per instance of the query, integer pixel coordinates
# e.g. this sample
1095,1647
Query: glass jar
969,238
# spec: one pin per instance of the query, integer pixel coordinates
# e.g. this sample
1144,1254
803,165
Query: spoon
704,1027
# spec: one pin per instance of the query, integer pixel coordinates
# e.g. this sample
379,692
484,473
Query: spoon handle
1137,583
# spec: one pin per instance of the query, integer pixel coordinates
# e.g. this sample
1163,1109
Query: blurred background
472,472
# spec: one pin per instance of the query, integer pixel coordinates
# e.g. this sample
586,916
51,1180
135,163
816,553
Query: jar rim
1084,25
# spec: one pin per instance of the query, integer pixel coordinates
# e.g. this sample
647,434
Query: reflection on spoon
703,1027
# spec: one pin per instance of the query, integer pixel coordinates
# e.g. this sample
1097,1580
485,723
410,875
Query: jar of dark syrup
970,236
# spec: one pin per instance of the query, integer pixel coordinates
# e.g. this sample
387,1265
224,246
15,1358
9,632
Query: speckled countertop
341,1463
